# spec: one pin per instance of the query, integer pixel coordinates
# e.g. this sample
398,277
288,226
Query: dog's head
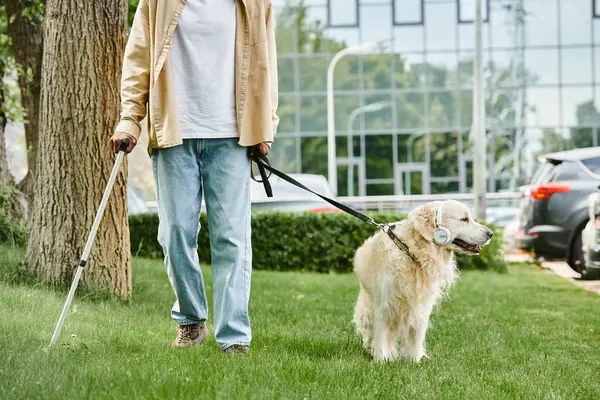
466,235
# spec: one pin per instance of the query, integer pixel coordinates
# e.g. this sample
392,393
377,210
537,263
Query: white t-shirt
203,63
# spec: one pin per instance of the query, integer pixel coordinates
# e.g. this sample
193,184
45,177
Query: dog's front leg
414,347
384,325
384,343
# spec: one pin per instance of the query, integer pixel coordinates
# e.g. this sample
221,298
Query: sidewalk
560,268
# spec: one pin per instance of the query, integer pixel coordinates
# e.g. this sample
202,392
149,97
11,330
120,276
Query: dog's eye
465,219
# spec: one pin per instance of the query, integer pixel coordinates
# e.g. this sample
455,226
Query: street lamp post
331,165
479,145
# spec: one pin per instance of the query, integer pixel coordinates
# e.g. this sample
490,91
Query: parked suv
554,208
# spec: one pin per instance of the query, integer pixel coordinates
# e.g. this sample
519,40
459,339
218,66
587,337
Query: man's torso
203,63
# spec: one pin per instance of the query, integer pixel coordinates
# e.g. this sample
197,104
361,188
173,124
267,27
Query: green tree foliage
10,107
132,5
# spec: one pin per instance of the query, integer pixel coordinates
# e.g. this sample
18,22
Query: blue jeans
221,169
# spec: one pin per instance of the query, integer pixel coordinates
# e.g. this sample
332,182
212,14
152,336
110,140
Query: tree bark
83,50
26,33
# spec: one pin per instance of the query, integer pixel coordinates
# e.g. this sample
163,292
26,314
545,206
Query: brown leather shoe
190,335
237,349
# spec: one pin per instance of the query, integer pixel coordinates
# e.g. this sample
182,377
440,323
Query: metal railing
405,203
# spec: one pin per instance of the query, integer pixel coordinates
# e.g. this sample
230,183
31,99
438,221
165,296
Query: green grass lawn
525,334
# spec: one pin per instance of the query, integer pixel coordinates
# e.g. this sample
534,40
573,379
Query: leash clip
378,225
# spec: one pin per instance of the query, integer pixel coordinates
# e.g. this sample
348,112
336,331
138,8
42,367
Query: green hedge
318,242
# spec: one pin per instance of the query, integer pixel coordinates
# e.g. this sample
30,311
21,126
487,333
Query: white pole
331,164
479,142
88,245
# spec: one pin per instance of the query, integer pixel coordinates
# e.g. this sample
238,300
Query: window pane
502,35
542,65
578,106
411,71
377,71
576,23
346,74
380,189
339,38
467,10
285,68
375,23
542,22
344,106
466,36
314,17
441,70
546,103
442,110
444,154
586,116
287,113
465,107
313,114
313,73
343,13
378,116
596,53
500,109
408,12
314,155
441,26
465,70
576,65
379,167
410,109
410,38
581,136
284,156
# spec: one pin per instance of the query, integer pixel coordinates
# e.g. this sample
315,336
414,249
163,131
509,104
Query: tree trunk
83,50
26,33
6,178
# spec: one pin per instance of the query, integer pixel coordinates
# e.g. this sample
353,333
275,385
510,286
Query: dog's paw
383,356
415,354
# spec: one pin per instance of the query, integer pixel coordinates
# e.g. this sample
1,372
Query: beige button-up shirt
147,87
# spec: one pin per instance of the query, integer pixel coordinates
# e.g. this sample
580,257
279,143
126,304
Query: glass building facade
403,110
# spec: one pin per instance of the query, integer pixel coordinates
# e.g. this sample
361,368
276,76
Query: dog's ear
423,219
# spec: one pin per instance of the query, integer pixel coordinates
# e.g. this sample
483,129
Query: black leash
263,165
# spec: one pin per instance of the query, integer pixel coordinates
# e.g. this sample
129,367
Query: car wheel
577,259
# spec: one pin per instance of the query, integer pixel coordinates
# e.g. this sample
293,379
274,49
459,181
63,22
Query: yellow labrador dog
400,287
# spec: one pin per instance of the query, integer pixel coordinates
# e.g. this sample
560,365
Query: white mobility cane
90,241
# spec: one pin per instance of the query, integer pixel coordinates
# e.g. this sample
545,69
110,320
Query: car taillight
544,192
